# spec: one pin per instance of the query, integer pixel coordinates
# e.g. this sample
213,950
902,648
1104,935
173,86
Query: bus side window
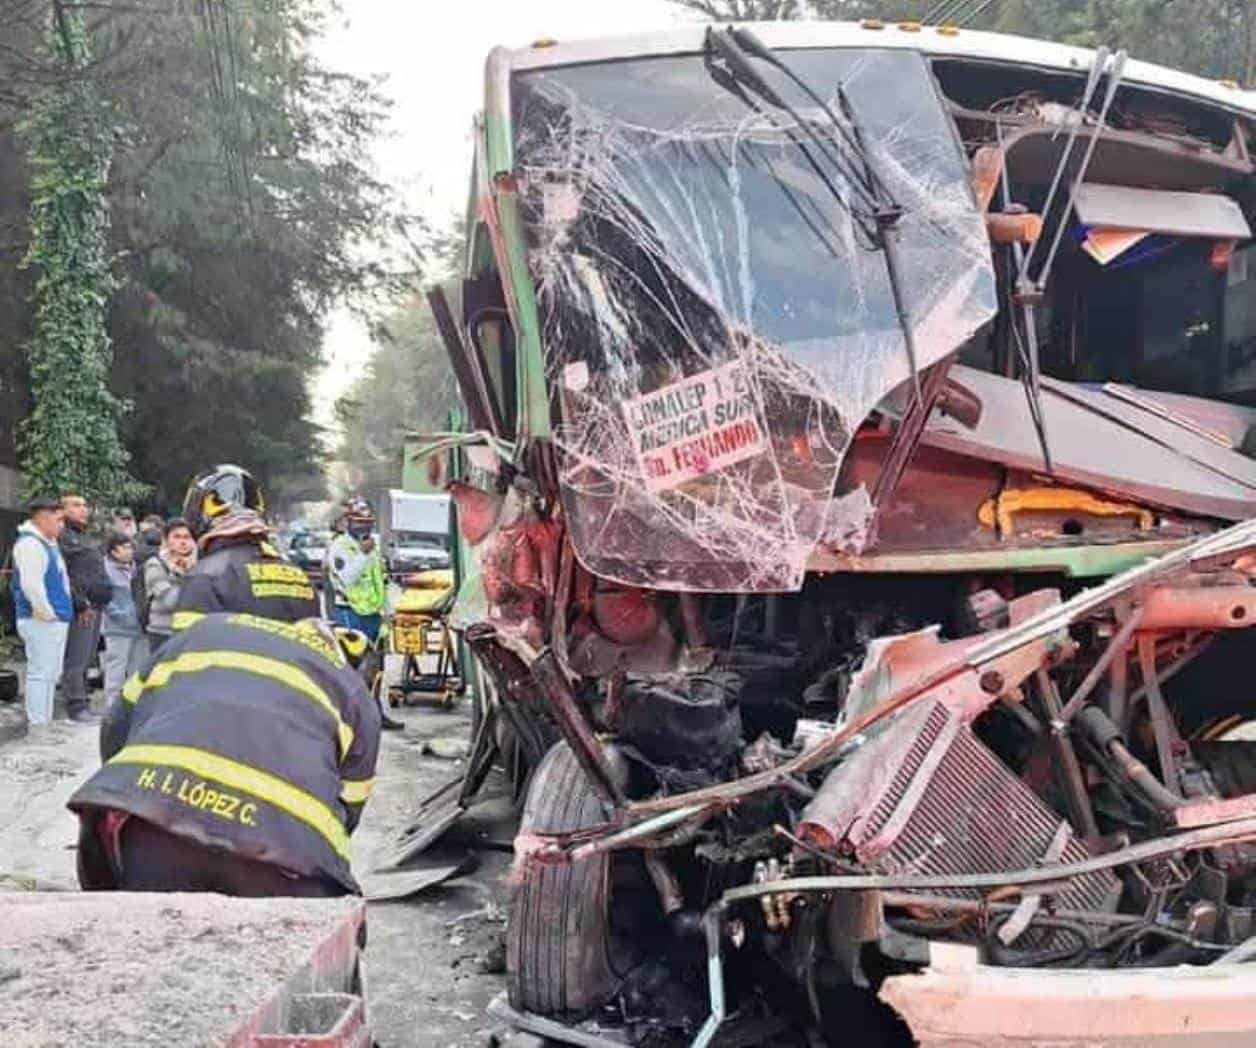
492,335
496,339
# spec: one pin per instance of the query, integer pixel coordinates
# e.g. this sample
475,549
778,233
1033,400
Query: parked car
307,550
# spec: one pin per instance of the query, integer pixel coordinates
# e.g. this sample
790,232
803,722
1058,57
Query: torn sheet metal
716,320
1100,443
1207,215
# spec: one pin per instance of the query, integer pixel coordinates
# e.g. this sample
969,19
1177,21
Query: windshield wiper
870,180
883,213
727,81
736,75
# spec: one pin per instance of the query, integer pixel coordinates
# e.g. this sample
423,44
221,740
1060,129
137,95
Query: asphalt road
434,961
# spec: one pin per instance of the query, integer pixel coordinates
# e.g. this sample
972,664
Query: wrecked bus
854,541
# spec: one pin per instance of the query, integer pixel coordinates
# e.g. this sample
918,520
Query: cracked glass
716,306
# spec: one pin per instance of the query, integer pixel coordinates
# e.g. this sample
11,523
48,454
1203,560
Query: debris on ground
381,886
493,960
449,749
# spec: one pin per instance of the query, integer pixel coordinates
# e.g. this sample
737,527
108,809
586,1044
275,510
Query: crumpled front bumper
956,1003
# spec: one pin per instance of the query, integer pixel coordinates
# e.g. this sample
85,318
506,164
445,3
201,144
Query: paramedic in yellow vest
356,571
355,575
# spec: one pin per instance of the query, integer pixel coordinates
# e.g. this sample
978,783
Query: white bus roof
930,40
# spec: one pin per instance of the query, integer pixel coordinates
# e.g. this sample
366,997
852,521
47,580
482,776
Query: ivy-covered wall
15,287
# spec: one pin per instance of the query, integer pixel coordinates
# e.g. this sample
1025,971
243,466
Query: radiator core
926,796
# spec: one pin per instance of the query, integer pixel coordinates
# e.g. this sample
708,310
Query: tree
790,10
243,206
70,439
407,385
1214,38
246,218
746,10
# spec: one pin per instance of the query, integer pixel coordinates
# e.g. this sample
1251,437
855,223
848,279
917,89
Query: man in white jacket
44,606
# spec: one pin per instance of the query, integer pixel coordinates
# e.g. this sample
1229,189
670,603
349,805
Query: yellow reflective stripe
356,791
132,689
307,632
261,666
262,785
282,589
183,619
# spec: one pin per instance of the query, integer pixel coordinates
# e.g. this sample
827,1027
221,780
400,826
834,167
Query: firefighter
356,583
239,569
237,760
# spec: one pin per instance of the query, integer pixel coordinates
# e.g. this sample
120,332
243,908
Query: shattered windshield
717,320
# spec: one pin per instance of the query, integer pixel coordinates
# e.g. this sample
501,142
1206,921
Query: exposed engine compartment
1058,790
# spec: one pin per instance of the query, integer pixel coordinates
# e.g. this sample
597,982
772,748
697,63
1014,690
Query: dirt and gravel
434,961
168,969
437,959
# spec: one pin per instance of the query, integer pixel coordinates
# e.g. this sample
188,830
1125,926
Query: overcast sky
432,54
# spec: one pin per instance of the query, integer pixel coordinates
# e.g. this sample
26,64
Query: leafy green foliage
248,213
1211,37
790,10
243,205
70,438
406,386
746,10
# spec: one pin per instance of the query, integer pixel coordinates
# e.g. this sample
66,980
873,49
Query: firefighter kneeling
238,760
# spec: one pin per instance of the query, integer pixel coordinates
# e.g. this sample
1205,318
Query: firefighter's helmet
353,644
359,517
218,491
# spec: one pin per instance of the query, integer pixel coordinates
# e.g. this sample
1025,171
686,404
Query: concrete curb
13,714
12,721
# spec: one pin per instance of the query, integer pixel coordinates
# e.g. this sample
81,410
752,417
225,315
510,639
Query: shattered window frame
708,391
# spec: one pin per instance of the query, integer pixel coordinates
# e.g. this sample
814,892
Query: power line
982,5
943,11
237,107
220,41
957,12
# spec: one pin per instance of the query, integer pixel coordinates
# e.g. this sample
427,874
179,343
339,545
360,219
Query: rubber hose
1105,735
1006,956
1139,775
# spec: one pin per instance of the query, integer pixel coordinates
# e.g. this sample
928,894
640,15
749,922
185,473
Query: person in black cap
148,540
124,522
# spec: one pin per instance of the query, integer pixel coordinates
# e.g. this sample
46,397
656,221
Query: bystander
125,646
149,539
92,592
44,607
163,579
124,522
